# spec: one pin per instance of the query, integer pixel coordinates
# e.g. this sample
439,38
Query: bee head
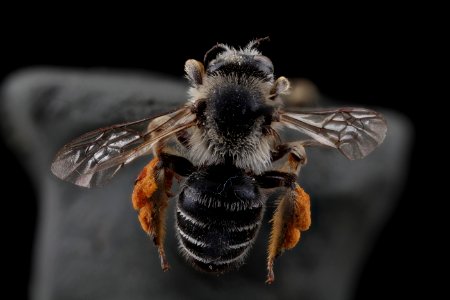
225,61
247,61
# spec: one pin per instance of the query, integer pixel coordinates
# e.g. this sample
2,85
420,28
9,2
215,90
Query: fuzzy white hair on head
231,51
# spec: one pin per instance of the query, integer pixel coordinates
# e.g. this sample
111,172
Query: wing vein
95,157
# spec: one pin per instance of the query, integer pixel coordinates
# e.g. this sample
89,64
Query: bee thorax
249,152
232,122
233,109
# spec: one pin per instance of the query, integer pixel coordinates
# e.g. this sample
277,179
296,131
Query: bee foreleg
292,215
151,193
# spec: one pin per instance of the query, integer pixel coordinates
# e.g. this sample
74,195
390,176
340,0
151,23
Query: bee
224,143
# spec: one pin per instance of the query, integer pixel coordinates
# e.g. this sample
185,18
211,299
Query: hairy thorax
233,124
251,152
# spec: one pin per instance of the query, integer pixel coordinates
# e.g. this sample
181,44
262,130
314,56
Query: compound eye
264,63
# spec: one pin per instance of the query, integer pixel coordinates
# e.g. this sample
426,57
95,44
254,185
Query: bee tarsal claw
270,274
164,263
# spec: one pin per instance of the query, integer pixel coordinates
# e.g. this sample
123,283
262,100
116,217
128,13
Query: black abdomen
219,213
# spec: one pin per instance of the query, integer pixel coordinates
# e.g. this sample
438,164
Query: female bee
224,141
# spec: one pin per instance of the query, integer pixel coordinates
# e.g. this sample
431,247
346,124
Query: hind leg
151,195
293,213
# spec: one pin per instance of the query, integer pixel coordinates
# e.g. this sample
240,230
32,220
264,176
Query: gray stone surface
90,245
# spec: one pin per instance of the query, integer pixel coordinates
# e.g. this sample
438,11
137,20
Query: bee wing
95,157
354,131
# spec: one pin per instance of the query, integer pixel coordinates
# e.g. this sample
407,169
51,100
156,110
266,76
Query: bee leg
293,213
151,193
150,199
296,156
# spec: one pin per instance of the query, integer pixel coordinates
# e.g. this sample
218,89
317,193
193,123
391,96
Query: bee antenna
211,53
256,42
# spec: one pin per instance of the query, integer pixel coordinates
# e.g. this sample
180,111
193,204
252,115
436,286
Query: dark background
368,61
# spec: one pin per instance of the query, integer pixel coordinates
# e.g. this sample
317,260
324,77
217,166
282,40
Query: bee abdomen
216,230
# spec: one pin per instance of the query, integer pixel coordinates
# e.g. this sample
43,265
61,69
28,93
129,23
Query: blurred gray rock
90,245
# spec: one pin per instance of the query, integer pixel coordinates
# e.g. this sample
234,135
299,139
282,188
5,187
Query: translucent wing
95,157
354,131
